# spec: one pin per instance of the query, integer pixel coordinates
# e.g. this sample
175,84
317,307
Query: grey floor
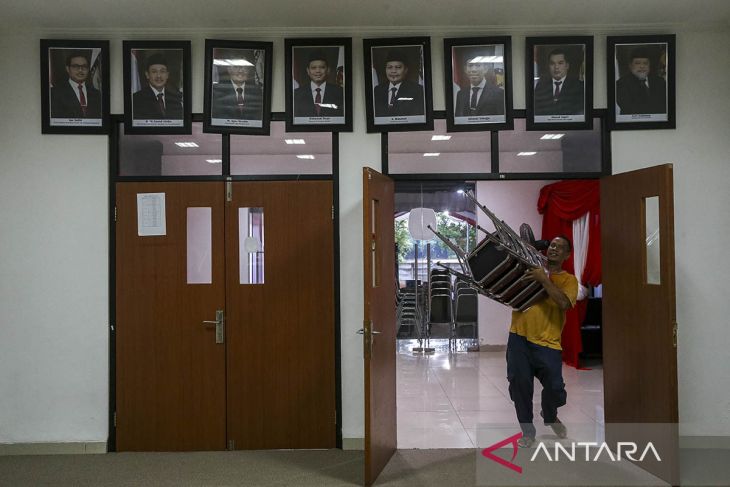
251,468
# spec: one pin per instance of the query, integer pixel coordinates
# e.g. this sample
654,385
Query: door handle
220,326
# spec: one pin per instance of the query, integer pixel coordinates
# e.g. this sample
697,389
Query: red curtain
560,203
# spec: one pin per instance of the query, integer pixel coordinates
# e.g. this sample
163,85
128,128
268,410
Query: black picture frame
414,107
224,112
572,107
64,109
632,104
321,55
170,67
486,61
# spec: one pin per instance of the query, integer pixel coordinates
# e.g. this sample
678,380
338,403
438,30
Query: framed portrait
478,83
237,87
641,81
157,87
398,84
318,85
74,86
559,83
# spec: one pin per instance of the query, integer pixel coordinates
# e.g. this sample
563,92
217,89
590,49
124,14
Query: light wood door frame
639,319
379,326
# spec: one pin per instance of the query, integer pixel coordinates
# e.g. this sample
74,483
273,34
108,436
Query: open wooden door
639,321
379,322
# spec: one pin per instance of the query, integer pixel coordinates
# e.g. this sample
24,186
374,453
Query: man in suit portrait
238,97
399,96
640,90
318,98
482,96
559,93
156,100
76,97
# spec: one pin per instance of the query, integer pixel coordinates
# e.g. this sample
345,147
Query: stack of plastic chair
441,318
409,312
465,311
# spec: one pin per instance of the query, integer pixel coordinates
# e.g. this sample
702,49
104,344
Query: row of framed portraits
478,84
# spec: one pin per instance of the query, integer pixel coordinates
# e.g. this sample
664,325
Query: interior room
59,324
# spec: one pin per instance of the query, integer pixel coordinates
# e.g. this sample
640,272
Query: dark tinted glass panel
281,153
550,152
197,154
439,152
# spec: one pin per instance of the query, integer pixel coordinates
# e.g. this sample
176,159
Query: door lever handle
220,326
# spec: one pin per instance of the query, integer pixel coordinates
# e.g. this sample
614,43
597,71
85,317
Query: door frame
114,177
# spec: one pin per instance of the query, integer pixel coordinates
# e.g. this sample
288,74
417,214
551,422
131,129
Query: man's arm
554,292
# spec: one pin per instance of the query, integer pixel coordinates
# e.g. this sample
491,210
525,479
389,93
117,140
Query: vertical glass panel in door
199,246
651,224
251,245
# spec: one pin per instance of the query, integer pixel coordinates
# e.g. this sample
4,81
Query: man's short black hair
567,240
74,54
318,55
639,52
155,59
397,55
556,52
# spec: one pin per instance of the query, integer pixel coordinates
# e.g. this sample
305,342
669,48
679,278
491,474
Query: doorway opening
444,391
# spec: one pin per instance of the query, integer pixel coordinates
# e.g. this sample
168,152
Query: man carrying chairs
509,270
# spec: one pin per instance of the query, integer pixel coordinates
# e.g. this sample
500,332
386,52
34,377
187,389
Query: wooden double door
258,258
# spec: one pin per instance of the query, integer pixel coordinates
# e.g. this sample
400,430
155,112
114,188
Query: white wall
515,203
53,236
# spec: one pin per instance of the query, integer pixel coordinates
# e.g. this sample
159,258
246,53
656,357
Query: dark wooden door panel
379,322
280,334
639,348
170,373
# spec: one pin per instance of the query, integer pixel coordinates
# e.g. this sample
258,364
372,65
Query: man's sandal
560,430
525,441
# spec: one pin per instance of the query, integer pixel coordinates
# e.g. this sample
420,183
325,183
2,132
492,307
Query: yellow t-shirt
543,322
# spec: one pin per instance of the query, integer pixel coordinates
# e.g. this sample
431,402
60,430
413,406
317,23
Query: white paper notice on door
151,214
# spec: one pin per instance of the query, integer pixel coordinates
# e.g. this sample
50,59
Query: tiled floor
442,397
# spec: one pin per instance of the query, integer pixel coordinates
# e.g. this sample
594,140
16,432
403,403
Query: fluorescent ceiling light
431,154
186,144
214,161
552,136
440,137
305,156
231,62
294,141
526,153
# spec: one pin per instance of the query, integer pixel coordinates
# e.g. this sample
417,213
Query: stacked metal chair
465,311
440,297
410,312
495,268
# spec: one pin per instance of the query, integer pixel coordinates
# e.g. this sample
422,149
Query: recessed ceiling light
431,154
186,144
441,137
214,161
294,141
305,156
526,153
552,136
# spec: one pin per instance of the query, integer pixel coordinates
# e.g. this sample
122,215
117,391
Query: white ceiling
346,14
